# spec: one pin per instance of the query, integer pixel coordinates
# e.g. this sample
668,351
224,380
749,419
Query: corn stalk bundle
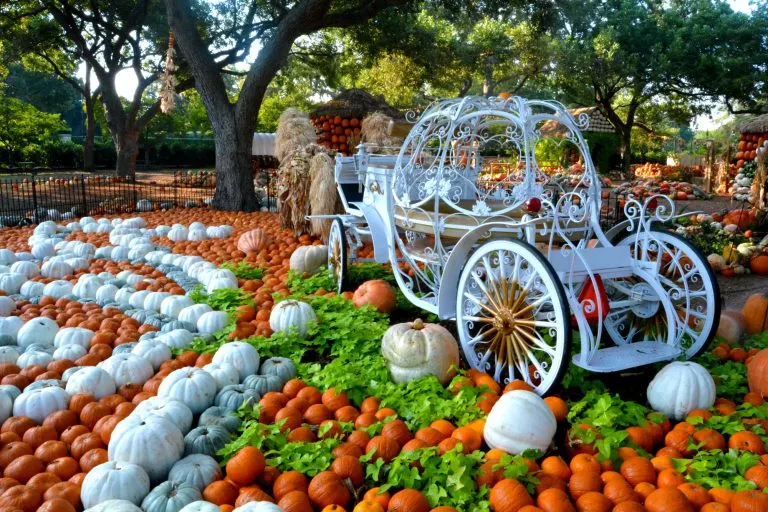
294,131
167,80
322,195
293,188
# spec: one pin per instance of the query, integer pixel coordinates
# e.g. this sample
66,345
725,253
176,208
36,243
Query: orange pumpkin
749,501
757,373
732,325
668,499
377,293
252,241
508,495
755,313
759,265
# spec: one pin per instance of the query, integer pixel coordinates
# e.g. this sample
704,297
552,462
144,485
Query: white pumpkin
106,293
222,231
415,349
11,326
26,268
56,269
138,298
73,336
9,355
6,406
86,287
153,443
104,252
172,410
241,355
71,352
153,351
41,402
114,480
43,249
519,421
32,289
7,305
200,506
177,338
153,301
58,289
212,321
77,263
681,387
197,469
10,282
191,314
115,506
197,234
120,253
40,330
7,257
258,506
33,358
172,306
220,283
193,386
309,258
178,233
93,380
209,275
291,314
225,374
85,250
127,368
123,296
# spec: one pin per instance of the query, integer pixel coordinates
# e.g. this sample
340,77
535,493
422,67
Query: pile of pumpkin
337,133
748,145
738,255
676,190
651,170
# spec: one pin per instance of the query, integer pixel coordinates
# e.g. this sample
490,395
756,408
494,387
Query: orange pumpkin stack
338,133
747,148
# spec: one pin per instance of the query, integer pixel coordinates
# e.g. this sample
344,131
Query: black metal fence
31,198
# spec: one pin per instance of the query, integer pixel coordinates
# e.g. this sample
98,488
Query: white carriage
515,259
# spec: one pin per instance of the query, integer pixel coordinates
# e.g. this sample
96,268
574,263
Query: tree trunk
127,147
90,133
626,150
234,184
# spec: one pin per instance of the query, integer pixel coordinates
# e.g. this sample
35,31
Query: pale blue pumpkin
170,496
207,440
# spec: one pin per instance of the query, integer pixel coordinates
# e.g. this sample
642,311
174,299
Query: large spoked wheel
690,285
512,315
338,253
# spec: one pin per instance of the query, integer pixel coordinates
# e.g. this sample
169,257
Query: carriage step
621,357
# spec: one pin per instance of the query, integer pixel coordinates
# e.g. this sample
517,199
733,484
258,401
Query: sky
127,82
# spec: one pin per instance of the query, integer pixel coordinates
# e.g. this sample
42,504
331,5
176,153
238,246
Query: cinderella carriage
519,260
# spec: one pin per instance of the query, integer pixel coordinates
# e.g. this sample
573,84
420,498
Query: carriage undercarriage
521,283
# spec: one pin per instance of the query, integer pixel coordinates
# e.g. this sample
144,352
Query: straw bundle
322,195
293,131
293,187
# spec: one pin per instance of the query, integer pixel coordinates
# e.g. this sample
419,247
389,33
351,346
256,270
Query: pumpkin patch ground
194,360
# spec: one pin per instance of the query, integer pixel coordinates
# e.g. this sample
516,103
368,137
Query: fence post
133,207
34,200
175,190
82,190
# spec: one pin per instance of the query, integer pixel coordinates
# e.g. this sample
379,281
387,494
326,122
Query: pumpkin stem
418,324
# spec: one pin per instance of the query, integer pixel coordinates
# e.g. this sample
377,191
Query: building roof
757,124
597,122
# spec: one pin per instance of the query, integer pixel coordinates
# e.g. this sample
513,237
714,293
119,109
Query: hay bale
294,131
377,129
322,195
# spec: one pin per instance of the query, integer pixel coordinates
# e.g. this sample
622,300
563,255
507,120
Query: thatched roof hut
355,103
757,124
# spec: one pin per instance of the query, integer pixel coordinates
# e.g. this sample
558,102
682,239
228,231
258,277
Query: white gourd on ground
225,373
10,282
11,326
34,358
173,305
291,314
93,380
191,314
415,349
212,321
6,407
9,355
114,480
193,386
71,352
26,268
127,368
153,351
39,403
153,443
73,336
241,355
7,305
41,330
177,338
309,258
174,411
32,289
198,469
519,421
56,269
200,506
58,288
679,388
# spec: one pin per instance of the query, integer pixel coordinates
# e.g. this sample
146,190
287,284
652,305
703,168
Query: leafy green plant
243,270
301,285
716,468
223,299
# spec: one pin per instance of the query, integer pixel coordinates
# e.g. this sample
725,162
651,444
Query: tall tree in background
276,25
109,37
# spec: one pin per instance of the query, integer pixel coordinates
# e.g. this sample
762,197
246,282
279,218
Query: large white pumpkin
219,283
178,233
225,374
138,298
173,305
41,402
56,269
309,258
681,387
106,293
197,469
127,368
153,351
7,257
177,338
26,268
191,314
34,358
114,480
11,355
200,506
10,282
40,330
73,336
241,355
7,305
154,300
32,288
71,352
212,321
87,286
519,421
291,314
43,249
174,411
11,326
415,349
193,386
58,288
152,442
93,380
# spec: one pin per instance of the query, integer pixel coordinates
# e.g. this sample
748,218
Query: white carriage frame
384,178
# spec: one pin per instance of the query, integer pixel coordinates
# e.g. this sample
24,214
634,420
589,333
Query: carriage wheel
512,315
338,252
689,283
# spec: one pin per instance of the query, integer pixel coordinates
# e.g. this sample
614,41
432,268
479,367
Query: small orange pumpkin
378,293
